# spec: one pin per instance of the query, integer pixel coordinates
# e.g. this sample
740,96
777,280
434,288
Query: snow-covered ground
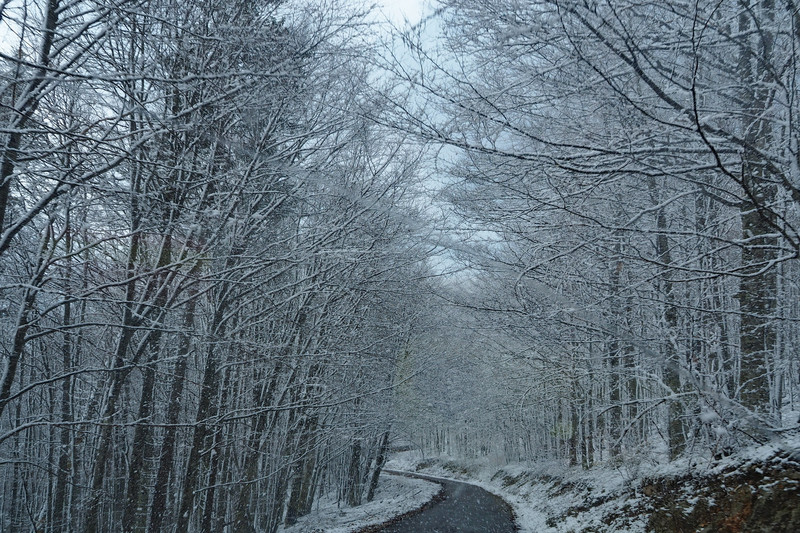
553,499
537,509
545,499
395,496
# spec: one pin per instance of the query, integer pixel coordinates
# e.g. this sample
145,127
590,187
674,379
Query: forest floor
395,496
754,490
757,489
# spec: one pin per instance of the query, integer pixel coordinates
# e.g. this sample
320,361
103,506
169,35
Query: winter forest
249,247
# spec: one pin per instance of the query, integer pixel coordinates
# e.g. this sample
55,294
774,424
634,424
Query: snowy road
464,509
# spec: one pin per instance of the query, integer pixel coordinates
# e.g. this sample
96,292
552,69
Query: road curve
461,508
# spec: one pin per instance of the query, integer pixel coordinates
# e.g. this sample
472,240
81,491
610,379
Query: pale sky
395,9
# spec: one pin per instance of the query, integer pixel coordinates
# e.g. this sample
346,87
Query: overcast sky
396,9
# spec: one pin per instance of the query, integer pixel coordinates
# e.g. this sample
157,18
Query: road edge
438,497
433,501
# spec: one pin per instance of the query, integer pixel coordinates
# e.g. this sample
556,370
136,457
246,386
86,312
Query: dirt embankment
759,496
757,490
745,496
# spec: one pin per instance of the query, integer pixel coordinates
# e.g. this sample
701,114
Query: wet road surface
464,509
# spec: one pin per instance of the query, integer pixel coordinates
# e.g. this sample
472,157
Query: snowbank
543,501
395,496
622,499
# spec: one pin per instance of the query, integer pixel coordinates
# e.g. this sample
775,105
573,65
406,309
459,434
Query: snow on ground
395,495
554,499
543,502
545,498
528,515
572,503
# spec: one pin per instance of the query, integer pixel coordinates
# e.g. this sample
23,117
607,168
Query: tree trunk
379,462
23,322
167,454
137,492
64,453
102,456
302,489
758,289
615,359
353,487
118,375
672,365
24,111
202,430
134,514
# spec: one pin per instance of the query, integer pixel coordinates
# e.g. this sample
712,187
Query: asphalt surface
464,509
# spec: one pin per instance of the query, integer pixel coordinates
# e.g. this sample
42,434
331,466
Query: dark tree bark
353,488
758,289
166,458
380,460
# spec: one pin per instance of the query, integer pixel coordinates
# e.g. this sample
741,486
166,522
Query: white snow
708,416
550,498
545,498
534,499
395,495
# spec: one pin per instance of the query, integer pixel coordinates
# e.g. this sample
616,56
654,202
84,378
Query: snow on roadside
554,499
395,496
568,505
527,515
540,505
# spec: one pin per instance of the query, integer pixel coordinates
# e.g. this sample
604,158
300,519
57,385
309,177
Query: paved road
464,509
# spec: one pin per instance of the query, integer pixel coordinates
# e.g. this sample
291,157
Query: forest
249,247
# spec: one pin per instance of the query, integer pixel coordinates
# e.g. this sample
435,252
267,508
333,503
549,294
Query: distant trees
636,166
208,264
